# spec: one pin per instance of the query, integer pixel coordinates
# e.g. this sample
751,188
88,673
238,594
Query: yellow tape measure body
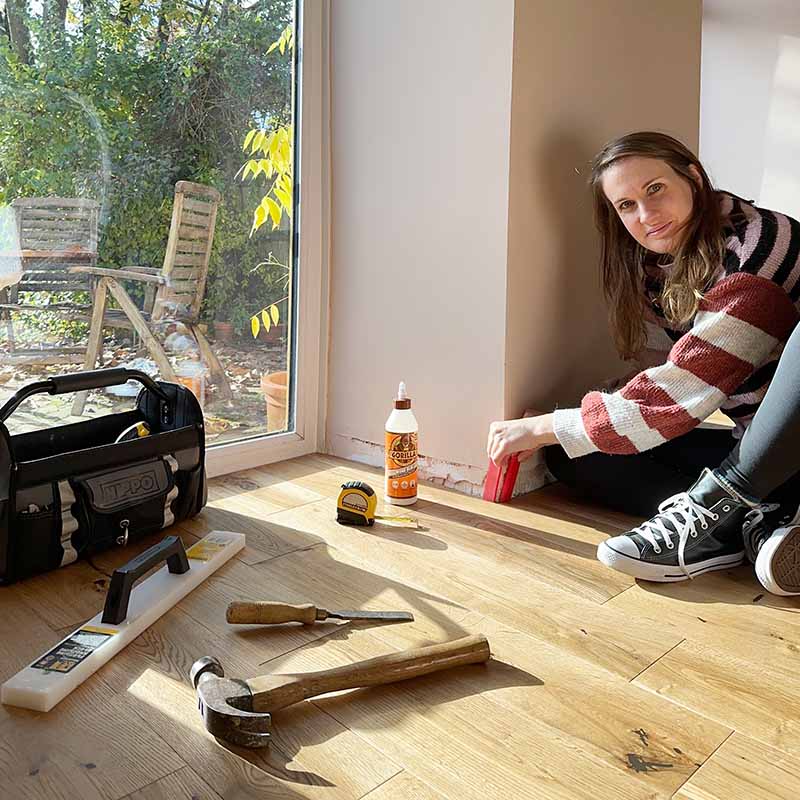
357,503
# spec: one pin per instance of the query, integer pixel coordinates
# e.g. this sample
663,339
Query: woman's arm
522,436
741,320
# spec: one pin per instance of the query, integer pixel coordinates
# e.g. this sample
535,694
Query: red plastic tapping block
509,479
492,483
500,482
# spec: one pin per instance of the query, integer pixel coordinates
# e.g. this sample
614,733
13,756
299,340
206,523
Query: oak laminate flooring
180,785
444,566
599,687
743,767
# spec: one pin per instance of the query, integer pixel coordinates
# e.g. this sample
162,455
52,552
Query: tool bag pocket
37,512
113,507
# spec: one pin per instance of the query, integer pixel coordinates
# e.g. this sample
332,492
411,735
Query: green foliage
272,155
122,102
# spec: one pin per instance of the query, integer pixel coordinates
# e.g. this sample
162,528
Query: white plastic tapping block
49,679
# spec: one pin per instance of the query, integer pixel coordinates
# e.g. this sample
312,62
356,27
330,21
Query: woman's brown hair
622,258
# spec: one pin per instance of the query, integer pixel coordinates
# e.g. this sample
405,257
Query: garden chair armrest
124,274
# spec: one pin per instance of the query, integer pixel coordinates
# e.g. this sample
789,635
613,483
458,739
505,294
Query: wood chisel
266,613
129,610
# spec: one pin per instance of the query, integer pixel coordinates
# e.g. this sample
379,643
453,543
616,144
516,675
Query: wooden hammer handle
264,613
271,692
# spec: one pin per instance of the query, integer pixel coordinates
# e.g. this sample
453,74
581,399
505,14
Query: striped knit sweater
725,359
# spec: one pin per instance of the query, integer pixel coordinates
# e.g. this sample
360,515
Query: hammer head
225,705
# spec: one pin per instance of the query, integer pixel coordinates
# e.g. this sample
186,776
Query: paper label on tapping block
401,464
206,548
66,655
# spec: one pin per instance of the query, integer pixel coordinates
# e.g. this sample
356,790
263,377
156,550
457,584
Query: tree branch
203,15
18,30
55,16
4,24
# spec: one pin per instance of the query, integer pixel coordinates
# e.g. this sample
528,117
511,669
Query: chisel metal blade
397,616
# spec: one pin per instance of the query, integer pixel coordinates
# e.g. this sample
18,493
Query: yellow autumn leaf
266,320
286,183
272,47
248,138
259,217
274,211
254,326
273,310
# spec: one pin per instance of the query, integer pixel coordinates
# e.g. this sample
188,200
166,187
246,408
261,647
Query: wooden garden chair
53,235
173,293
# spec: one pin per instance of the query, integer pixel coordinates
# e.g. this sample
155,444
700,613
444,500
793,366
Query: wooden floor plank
24,635
91,745
272,492
181,785
744,768
718,609
264,541
450,566
533,723
403,787
753,691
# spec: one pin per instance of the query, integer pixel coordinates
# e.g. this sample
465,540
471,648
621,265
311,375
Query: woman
711,284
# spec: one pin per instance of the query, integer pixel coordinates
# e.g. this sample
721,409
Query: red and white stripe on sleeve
740,322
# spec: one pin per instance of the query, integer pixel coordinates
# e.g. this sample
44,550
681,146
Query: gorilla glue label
401,452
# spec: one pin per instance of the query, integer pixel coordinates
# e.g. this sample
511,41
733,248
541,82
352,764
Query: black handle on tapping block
119,592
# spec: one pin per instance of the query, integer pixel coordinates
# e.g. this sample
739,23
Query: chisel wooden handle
264,613
271,692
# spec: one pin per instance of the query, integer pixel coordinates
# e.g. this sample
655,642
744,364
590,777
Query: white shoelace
683,514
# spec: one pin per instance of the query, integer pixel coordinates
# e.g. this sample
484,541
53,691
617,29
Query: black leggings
763,466
768,454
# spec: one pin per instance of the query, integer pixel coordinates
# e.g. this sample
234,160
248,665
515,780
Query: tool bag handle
78,382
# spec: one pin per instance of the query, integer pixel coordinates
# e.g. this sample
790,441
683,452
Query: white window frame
312,280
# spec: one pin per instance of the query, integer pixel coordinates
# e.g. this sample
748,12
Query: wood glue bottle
401,452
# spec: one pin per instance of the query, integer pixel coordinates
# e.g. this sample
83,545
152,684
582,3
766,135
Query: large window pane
147,160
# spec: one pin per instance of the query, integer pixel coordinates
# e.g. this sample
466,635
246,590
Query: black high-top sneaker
775,551
696,531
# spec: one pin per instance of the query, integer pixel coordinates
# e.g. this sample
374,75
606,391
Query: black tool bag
74,490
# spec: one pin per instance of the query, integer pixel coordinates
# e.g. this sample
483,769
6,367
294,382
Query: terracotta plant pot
275,388
223,331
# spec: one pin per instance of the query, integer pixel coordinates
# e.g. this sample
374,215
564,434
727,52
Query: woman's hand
522,436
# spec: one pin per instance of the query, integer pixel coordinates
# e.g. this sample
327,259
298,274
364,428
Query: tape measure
136,431
357,503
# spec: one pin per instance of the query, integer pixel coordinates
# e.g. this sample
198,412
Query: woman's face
653,201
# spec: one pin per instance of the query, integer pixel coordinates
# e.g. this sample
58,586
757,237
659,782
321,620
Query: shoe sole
778,562
660,573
